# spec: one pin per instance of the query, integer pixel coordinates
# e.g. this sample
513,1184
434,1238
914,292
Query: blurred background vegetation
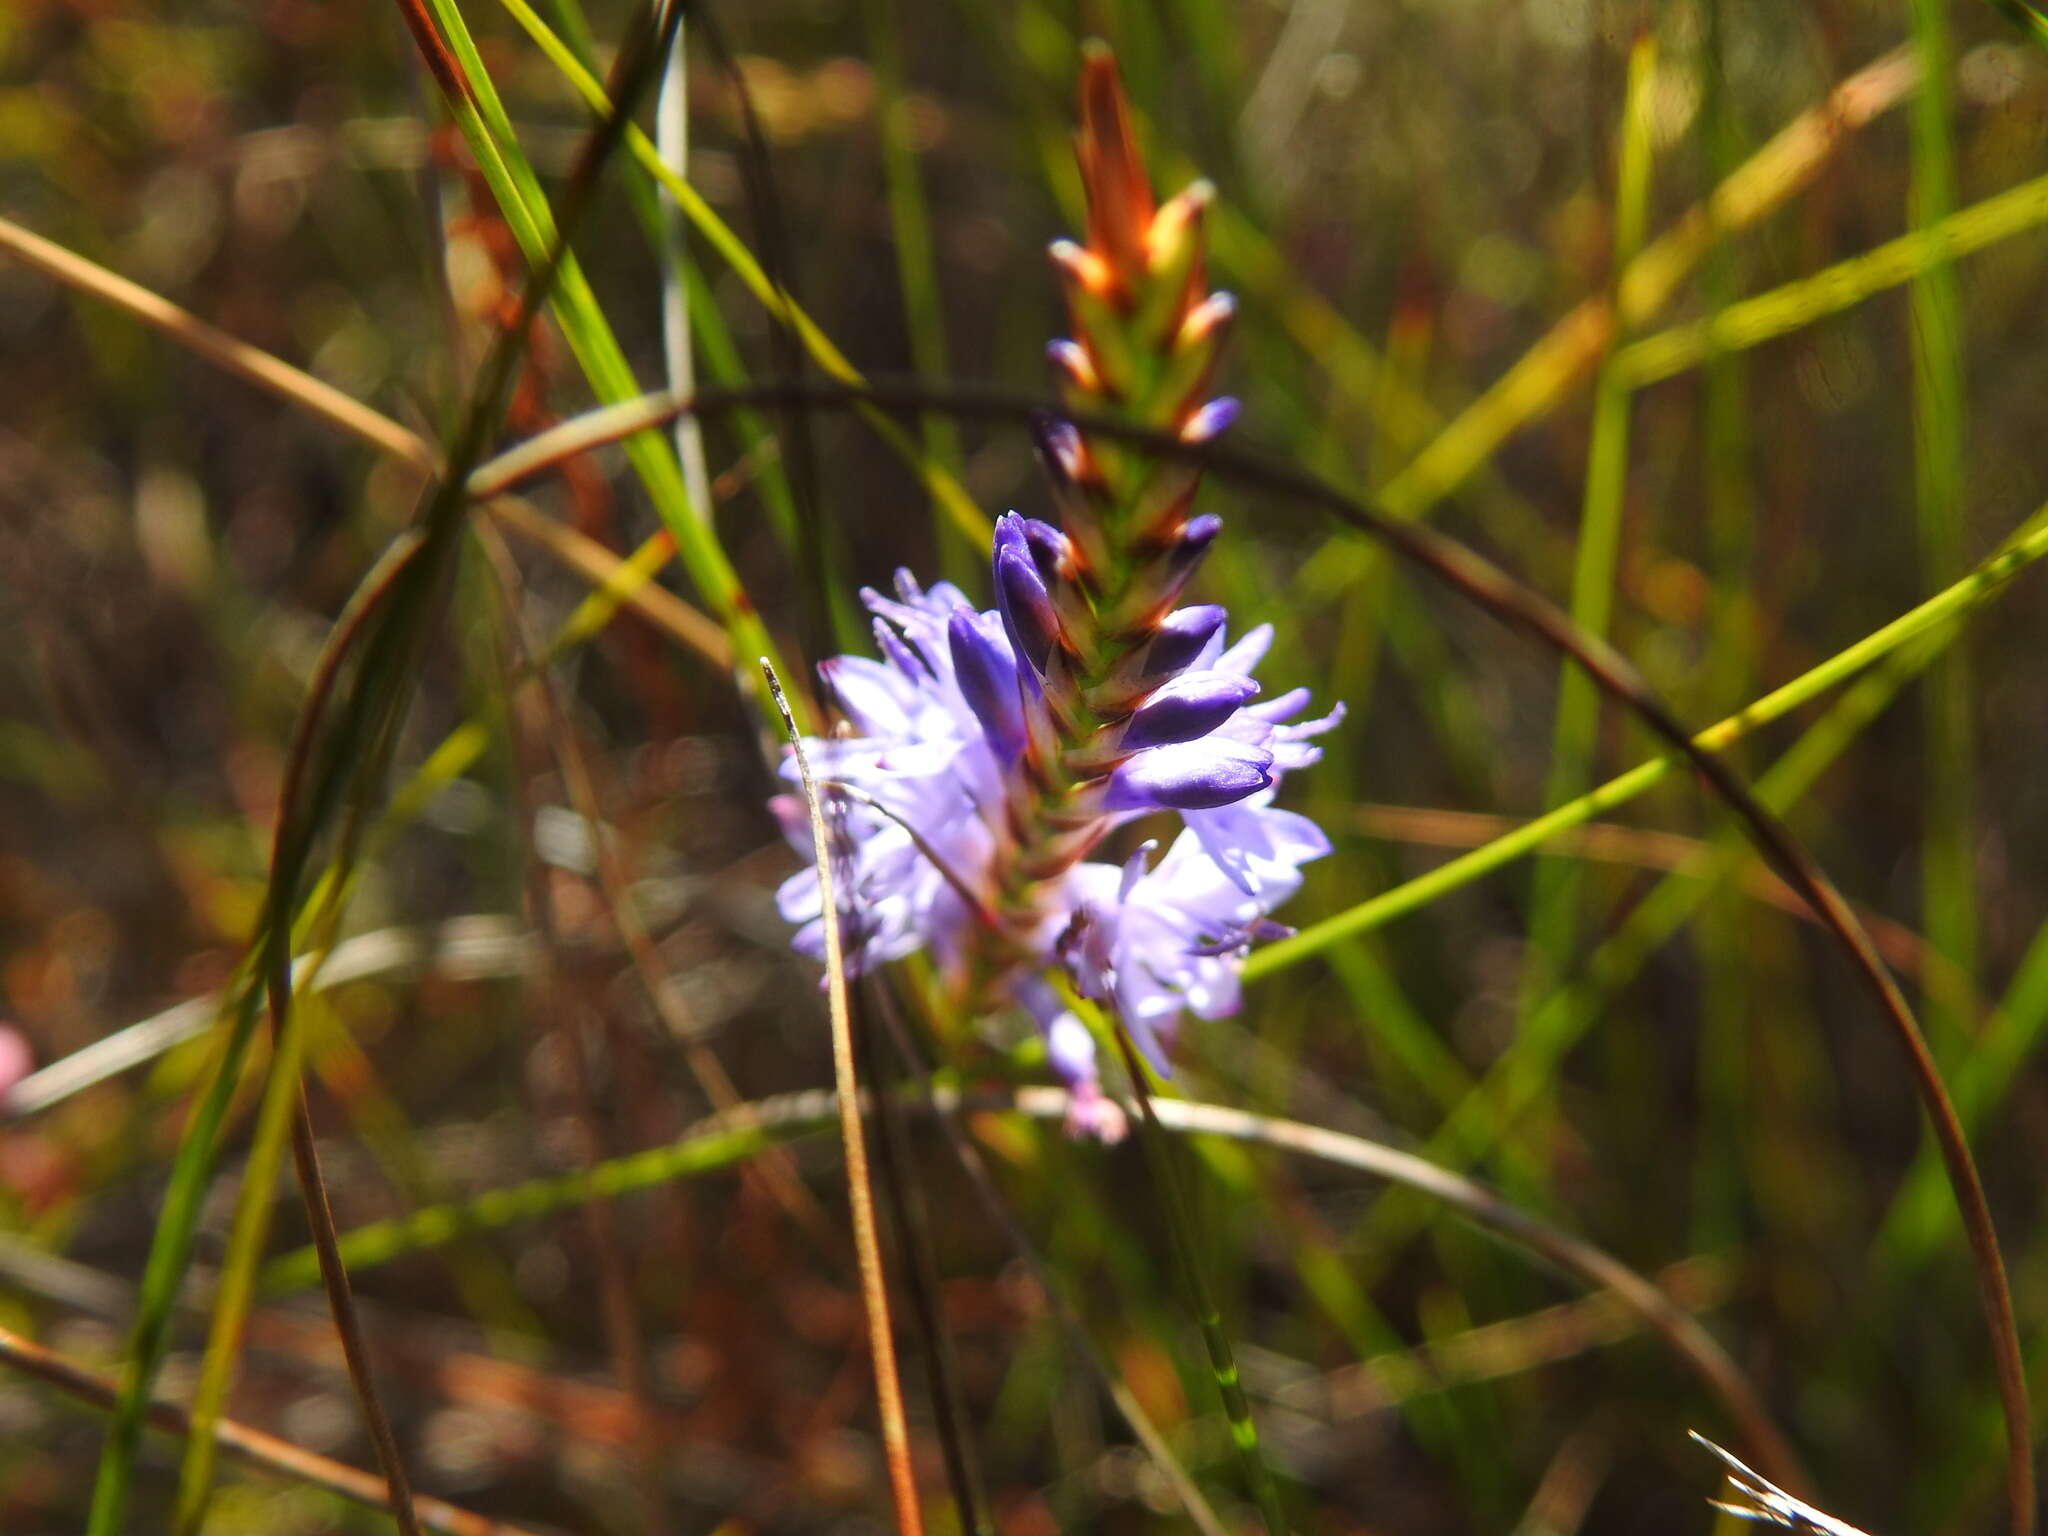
1674,1066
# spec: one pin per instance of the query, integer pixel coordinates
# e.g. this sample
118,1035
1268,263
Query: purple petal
988,681
875,699
1248,652
1191,705
1180,637
1259,848
1026,607
899,655
1292,702
1191,775
1135,866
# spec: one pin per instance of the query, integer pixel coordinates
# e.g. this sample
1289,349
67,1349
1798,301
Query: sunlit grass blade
1919,1217
1732,491
260,368
963,515
853,1140
1844,285
1494,1109
236,1289
480,114
256,1447
1948,857
1553,907
347,732
1795,305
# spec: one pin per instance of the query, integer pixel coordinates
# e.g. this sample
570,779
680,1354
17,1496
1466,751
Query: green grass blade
917,274
236,1289
2026,546
1948,873
523,204
1180,1225
972,523
177,1226
1553,916
1796,305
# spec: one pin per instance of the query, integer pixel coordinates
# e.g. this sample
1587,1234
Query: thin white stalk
672,142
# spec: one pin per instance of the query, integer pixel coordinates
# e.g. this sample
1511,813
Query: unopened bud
1191,705
987,675
1211,421
1071,361
1190,776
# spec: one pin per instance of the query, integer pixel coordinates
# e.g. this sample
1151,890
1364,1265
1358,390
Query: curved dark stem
355,1349
1522,609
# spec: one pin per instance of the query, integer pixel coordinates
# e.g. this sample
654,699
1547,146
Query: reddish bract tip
1120,205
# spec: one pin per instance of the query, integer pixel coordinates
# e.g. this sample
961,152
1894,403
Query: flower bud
1206,322
1211,421
1027,608
1173,244
1049,548
1191,705
1083,269
1180,638
1071,361
987,676
1120,206
1189,776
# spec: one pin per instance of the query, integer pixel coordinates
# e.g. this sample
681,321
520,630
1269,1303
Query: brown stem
860,1193
250,1444
341,1301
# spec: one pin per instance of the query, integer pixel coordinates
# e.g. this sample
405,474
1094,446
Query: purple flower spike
1192,704
936,736
987,675
1190,776
1026,606
1211,421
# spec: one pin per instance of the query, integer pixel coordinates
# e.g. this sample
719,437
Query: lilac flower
930,781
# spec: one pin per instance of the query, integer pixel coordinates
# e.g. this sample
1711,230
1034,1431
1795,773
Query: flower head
929,783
